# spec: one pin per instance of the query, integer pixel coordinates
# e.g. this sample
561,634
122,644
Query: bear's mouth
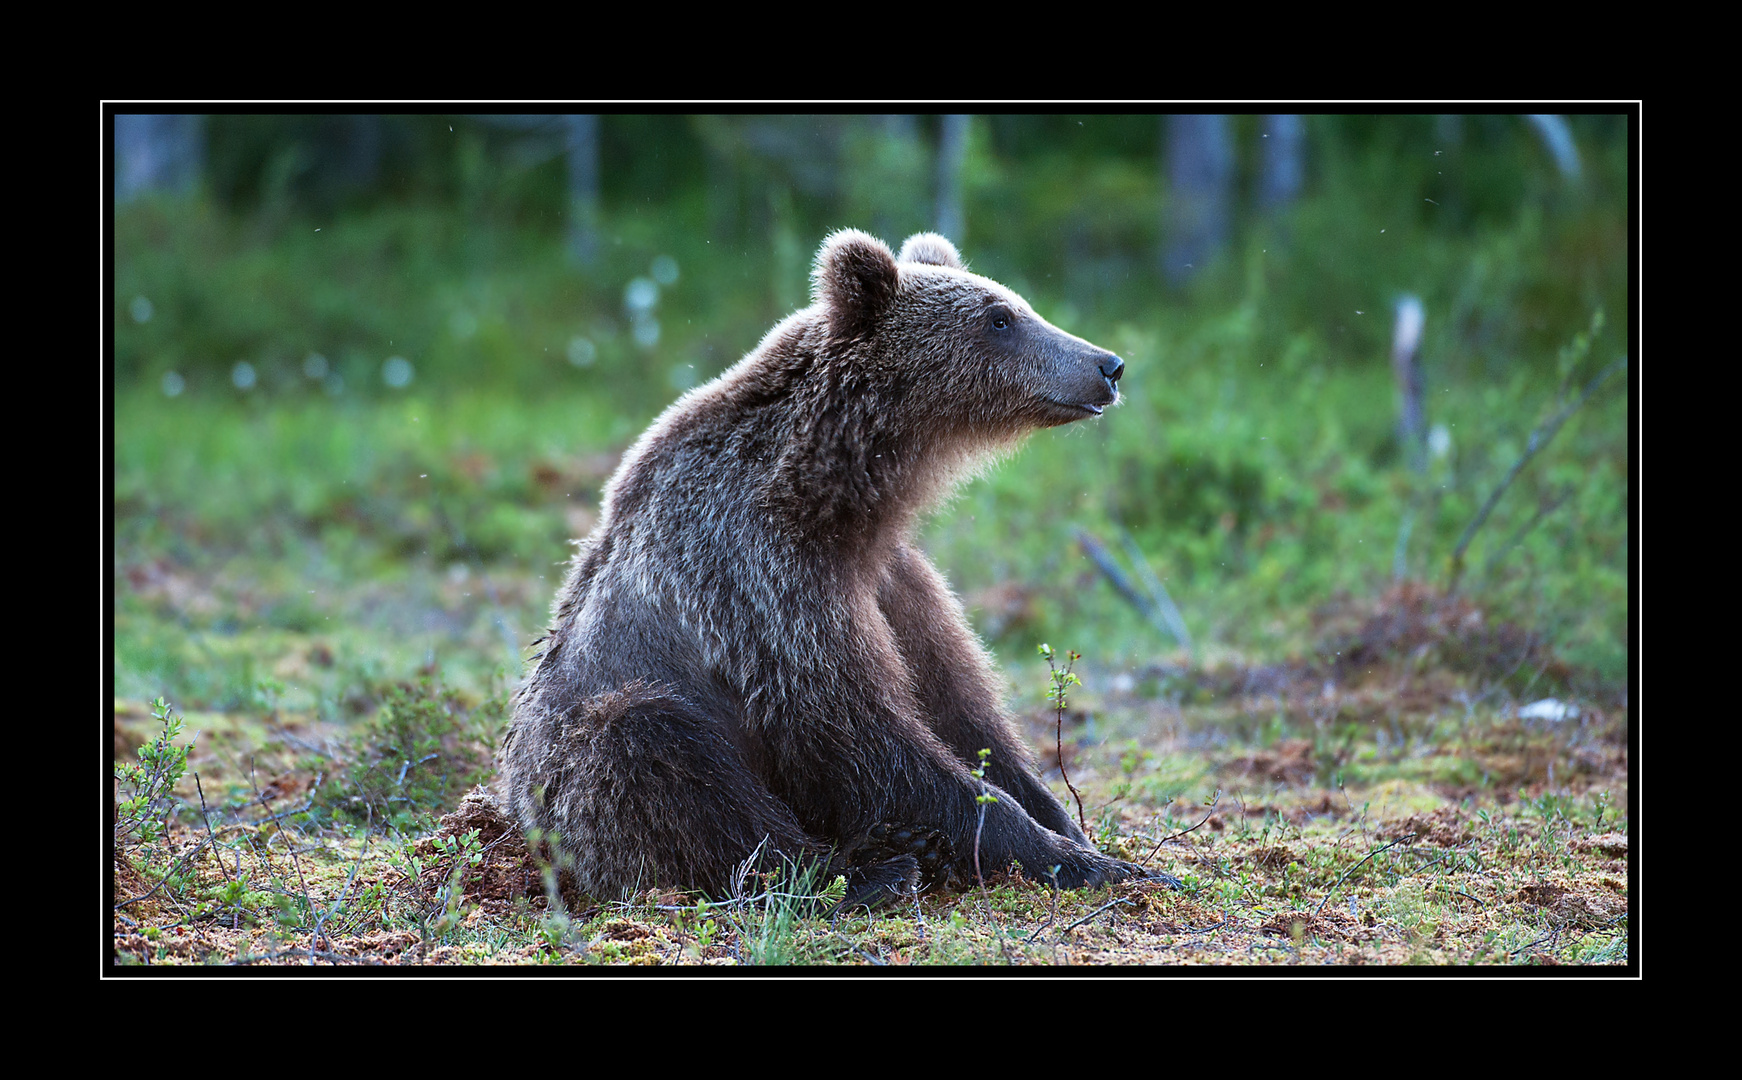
1084,408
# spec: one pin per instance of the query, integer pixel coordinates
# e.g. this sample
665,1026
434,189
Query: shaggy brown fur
749,649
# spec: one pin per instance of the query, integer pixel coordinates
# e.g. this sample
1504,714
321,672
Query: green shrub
145,789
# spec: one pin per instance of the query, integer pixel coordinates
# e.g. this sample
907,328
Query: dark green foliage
453,254
144,788
1193,491
1255,463
423,750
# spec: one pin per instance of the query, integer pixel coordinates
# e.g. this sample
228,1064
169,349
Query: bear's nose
1112,368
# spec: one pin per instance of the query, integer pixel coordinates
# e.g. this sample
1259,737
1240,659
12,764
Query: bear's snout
1112,368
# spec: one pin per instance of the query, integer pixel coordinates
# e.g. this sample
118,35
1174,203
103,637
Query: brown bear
750,654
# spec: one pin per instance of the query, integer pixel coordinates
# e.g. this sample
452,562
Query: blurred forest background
370,371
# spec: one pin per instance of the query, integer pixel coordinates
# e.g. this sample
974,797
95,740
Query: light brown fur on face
751,655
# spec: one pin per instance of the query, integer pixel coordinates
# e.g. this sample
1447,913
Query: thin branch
875,961
1054,916
280,732
1059,683
307,805
1357,866
985,797
1549,937
308,902
170,873
1543,510
210,838
1097,911
1465,895
1150,607
1538,439
1164,604
1213,801
321,923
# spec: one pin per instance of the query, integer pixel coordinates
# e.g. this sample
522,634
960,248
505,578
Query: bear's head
959,350
903,377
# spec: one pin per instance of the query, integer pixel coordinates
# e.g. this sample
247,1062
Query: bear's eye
999,318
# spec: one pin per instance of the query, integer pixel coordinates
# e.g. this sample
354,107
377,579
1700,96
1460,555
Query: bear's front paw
1089,869
1131,871
1079,868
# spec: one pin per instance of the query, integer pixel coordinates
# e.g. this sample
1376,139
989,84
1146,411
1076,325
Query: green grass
1259,498
1258,488
328,573
1255,499
1254,462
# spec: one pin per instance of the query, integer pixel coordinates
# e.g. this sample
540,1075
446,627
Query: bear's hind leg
643,790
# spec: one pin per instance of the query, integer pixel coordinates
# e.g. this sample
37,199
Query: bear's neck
850,480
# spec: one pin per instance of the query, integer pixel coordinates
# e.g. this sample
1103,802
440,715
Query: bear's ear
855,280
930,248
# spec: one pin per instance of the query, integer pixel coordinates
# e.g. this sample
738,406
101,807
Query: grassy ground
337,598
1401,817
333,579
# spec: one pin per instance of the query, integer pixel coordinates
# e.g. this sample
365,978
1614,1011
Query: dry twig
1333,889
1213,801
1538,439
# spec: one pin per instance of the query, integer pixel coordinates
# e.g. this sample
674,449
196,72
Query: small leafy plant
144,788
1057,693
424,749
